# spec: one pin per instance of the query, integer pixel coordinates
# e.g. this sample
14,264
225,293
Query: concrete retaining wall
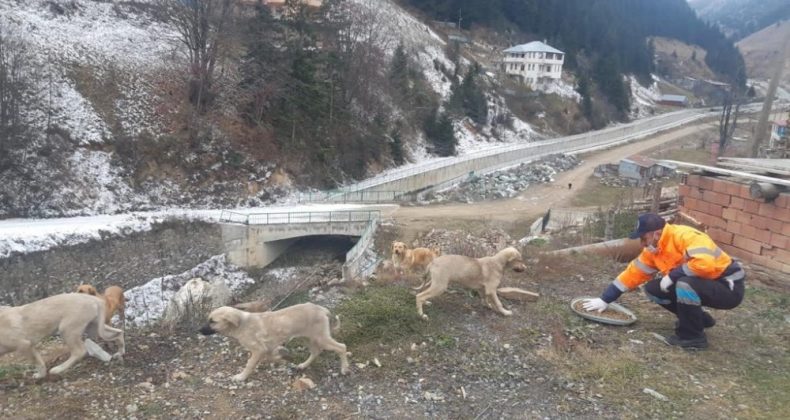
169,248
451,170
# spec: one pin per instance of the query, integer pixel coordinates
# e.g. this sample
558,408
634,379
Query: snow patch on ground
147,303
560,88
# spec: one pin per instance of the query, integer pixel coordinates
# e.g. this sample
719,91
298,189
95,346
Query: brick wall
753,230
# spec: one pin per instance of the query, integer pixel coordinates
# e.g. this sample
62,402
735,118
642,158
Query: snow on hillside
81,47
102,35
643,99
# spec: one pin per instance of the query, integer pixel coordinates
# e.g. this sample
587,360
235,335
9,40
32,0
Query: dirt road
516,213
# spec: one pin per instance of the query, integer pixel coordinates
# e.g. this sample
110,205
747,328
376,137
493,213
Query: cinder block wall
752,230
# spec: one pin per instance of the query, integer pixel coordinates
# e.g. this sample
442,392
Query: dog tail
426,281
122,310
103,331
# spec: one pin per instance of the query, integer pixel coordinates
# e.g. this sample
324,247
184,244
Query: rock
178,375
655,394
303,384
131,408
376,362
432,396
148,386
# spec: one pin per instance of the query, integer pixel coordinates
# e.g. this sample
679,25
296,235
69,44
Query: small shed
640,169
674,100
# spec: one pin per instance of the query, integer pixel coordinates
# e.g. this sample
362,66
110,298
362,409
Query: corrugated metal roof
642,161
534,46
673,98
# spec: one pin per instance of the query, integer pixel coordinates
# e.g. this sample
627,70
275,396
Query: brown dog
263,334
483,274
406,259
113,301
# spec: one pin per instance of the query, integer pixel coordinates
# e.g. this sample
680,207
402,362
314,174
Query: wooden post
608,232
657,186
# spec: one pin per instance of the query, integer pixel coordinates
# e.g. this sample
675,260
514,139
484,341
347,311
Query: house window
522,67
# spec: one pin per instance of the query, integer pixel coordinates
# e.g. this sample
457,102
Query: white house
534,62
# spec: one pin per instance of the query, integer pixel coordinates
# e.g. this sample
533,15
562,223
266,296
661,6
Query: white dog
262,334
71,315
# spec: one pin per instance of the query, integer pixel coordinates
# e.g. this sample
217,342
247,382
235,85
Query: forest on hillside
602,38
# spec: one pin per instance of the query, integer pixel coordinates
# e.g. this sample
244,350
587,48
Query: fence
339,196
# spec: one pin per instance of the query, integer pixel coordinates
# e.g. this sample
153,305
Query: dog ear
233,318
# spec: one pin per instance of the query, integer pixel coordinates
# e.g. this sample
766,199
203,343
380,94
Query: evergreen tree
439,131
584,90
399,69
396,147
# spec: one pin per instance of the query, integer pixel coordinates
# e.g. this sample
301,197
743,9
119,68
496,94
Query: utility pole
762,123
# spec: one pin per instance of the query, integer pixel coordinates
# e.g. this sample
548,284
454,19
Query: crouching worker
695,271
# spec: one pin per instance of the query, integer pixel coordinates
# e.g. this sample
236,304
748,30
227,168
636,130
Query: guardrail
495,158
343,216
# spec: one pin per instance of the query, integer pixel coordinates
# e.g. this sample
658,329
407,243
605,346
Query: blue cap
647,222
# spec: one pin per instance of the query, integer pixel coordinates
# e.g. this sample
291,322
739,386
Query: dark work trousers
688,295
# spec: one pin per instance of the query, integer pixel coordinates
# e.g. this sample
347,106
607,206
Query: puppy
70,314
406,259
262,334
113,301
483,274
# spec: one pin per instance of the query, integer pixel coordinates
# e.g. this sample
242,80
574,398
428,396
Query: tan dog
113,301
264,333
70,314
406,259
483,274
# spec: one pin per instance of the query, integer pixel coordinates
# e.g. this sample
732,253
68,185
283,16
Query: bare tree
16,81
203,28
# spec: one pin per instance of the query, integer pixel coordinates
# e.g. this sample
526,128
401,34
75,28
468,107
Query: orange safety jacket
682,250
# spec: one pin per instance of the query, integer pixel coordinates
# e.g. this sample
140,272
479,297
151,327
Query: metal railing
355,258
342,216
339,196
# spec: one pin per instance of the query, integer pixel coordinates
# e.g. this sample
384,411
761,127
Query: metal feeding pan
595,316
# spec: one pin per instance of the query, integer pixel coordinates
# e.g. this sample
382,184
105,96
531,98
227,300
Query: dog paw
505,312
57,370
301,366
238,378
424,317
40,375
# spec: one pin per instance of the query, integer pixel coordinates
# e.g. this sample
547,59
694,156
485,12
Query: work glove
596,304
666,283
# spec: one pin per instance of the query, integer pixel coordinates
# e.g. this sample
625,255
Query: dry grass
593,193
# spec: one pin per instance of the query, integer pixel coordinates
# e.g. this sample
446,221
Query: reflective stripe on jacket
684,248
